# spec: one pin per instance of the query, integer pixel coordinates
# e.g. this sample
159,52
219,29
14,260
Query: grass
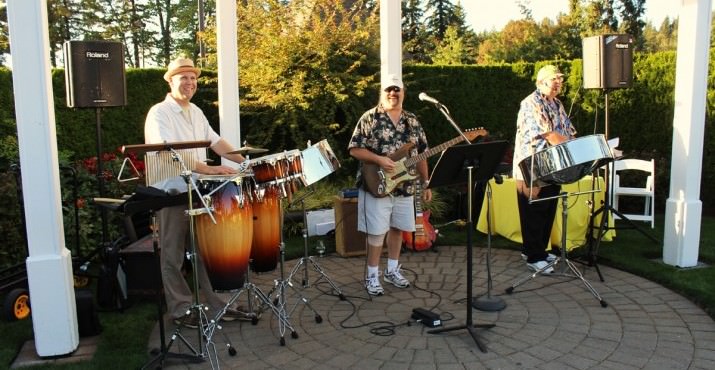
124,338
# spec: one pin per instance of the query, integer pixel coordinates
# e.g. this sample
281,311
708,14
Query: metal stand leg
309,260
469,325
567,263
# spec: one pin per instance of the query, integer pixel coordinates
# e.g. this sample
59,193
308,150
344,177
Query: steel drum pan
566,162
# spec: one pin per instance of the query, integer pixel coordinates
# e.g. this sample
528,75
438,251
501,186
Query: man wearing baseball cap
542,121
380,132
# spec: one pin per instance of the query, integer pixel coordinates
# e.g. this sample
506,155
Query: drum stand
205,328
281,284
567,264
309,260
254,291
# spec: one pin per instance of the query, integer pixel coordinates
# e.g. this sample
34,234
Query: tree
298,63
632,12
451,50
440,16
415,40
4,35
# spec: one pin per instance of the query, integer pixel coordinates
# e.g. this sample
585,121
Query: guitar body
378,182
424,235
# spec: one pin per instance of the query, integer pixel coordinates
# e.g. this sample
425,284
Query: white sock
391,265
372,271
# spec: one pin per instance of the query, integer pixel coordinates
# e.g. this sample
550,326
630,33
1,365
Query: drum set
237,225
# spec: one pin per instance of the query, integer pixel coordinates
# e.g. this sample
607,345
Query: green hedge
477,96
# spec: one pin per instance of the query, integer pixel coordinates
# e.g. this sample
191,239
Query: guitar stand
567,264
309,260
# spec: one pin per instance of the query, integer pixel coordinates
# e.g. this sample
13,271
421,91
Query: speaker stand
100,173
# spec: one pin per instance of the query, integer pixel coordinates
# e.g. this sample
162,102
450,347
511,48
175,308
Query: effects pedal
426,317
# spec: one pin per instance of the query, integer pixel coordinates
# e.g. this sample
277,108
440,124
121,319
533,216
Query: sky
482,15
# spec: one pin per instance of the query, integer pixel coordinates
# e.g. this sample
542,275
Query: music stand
457,165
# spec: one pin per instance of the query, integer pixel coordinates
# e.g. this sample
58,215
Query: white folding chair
647,169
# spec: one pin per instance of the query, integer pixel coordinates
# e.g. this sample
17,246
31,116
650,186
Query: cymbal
248,150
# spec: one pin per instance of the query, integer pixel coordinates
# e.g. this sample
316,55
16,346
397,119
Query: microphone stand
446,114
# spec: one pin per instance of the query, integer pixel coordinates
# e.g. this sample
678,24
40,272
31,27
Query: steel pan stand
309,260
567,264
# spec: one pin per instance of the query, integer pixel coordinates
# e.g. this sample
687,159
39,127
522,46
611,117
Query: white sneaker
396,278
539,265
549,258
373,286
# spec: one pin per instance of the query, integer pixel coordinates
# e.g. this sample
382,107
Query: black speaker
607,61
94,74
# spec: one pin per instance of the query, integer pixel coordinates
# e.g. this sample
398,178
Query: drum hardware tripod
205,329
488,302
309,260
252,290
280,285
567,264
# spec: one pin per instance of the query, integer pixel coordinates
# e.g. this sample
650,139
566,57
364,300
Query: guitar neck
411,161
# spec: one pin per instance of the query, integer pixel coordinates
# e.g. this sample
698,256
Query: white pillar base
53,303
682,232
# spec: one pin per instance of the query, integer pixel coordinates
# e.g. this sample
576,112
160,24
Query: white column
227,58
390,38
49,265
683,208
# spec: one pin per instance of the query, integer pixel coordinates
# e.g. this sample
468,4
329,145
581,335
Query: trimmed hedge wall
477,96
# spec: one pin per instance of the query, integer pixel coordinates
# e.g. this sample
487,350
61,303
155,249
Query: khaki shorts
377,215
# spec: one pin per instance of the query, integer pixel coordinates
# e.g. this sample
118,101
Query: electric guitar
380,183
424,234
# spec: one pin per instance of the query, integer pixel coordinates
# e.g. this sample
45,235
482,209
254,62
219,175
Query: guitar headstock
474,133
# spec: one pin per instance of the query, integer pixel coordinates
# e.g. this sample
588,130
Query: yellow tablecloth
505,212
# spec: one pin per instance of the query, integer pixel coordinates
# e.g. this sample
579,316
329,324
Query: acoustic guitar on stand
424,234
380,183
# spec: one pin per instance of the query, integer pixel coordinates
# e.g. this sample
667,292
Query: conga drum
265,249
226,245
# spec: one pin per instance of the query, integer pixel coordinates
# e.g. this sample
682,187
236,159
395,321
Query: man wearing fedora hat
176,119
542,121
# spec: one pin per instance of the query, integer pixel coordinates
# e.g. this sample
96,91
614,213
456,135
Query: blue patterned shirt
537,116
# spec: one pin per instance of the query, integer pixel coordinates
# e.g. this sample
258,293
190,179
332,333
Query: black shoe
237,314
191,320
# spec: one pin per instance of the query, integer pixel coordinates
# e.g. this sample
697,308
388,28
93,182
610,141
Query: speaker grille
608,61
94,74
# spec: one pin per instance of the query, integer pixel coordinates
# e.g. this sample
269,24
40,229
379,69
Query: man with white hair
542,121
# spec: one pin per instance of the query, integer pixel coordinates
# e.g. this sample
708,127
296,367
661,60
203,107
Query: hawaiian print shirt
376,132
538,116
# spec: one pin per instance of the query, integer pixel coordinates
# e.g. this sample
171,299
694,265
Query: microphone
424,97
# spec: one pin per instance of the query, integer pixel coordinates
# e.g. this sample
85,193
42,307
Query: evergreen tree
440,14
